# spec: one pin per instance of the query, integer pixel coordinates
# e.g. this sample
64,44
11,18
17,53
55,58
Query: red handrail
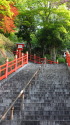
10,67
39,60
68,58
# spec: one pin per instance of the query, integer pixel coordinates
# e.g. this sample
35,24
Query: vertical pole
36,79
7,68
12,112
27,57
16,63
30,57
0,73
19,53
57,61
22,102
45,60
22,59
34,58
69,61
67,57
39,60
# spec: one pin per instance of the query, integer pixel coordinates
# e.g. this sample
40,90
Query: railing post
19,53
22,102
22,58
16,63
34,58
68,58
39,60
35,79
57,61
7,68
0,73
45,60
30,57
69,61
12,112
27,57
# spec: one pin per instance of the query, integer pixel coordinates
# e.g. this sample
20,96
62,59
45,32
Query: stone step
46,101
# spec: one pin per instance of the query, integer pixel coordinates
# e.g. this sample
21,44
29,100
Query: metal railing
11,107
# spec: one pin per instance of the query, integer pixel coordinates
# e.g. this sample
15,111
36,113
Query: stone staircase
11,87
46,100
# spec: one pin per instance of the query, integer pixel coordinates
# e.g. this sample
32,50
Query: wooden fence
12,66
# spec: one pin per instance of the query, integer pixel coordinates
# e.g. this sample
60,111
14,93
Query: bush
11,59
61,60
48,56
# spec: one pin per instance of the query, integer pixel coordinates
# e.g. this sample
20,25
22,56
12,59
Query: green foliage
1,46
61,60
66,42
5,42
47,56
49,20
43,24
34,41
48,38
14,38
11,59
2,60
6,11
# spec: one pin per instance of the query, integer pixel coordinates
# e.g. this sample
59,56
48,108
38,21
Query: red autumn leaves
7,23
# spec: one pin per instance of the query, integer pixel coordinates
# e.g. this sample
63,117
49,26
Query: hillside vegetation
5,49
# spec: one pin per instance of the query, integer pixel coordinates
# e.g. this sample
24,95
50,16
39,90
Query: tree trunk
29,47
53,53
43,53
43,50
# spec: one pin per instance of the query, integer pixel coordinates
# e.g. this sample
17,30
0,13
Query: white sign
19,46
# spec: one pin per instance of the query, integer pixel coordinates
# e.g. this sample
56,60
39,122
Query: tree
8,12
49,39
26,27
51,17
